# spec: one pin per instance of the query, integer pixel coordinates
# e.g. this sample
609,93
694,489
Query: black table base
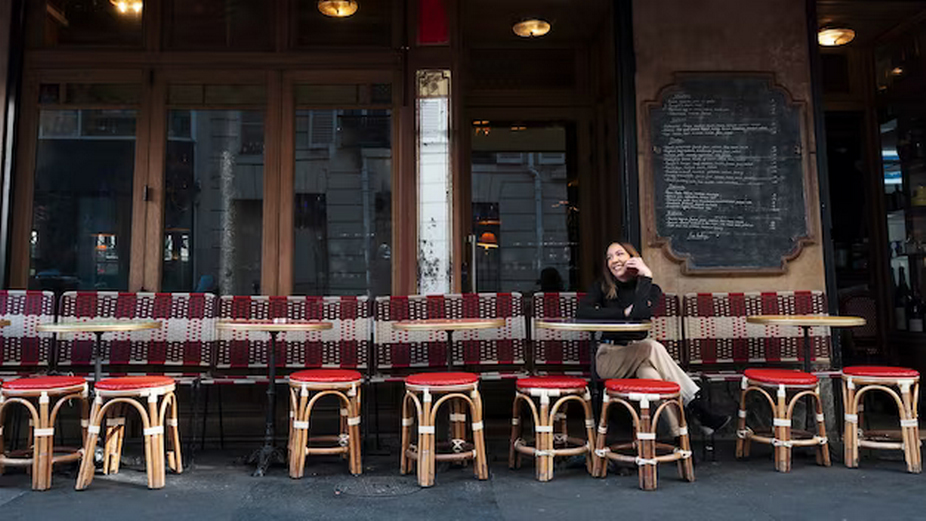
269,453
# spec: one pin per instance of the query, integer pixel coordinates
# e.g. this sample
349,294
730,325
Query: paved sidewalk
217,488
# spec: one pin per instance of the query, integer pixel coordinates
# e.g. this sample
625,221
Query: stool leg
911,438
299,440
353,441
2,447
562,423
782,433
600,468
457,425
480,465
41,450
426,454
407,421
589,433
823,449
344,428
85,474
742,441
544,441
115,427
685,465
514,461
156,452
646,449
174,456
850,428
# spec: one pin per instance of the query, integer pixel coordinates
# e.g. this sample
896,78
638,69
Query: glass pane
93,22
525,212
90,93
371,25
218,24
343,203
214,190
82,207
216,95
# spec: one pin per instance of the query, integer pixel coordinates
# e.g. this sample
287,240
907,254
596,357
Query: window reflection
82,207
343,202
214,201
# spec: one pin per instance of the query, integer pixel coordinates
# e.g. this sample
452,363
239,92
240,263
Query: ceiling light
897,71
128,6
531,28
338,8
835,36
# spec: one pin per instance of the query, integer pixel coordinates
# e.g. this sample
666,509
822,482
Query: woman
626,291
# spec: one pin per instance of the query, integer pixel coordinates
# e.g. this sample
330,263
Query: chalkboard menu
728,173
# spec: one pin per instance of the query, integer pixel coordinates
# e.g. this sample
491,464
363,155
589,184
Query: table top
99,326
273,325
448,324
806,320
569,324
4,322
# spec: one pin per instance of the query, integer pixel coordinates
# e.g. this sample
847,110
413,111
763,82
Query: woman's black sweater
639,292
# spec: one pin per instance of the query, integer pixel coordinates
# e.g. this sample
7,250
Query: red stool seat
42,383
551,382
436,379
326,376
780,376
131,383
880,371
641,385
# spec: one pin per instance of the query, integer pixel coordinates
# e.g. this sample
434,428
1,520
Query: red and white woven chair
424,395
640,396
23,350
790,386
43,397
154,399
305,389
901,384
547,443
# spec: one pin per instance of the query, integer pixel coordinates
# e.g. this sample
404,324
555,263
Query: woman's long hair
608,281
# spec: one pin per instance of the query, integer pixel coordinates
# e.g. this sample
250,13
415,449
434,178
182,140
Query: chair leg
742,441
646,449
85,474
480,465
850,429
685,465
353,441
156,463
823,450
513,460
41,461
174,456
589,433
300,434
601,460
115,427
782,433
406,462
908,421
426,459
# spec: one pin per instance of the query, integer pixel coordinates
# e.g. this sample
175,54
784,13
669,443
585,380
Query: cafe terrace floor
218,487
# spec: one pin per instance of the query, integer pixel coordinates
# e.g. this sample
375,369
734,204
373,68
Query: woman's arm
593,306
645,299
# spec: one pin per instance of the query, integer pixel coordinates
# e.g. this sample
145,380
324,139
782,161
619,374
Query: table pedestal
269,452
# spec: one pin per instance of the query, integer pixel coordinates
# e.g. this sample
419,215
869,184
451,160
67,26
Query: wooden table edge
606,327
436,325
807,320
98,327
228,325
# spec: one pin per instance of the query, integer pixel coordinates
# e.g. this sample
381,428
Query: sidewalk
217,488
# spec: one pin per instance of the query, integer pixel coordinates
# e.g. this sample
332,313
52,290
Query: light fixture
487,240
897,71
128,6
338,8
835,36
531,28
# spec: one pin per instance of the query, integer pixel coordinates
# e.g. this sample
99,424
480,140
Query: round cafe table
4,322
594,326
805,322
269,451
449,325
98,328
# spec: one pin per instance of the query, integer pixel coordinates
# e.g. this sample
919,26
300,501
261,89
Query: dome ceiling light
338,8
835,36
531,28
128,6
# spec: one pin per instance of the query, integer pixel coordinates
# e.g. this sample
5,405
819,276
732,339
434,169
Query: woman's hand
637,264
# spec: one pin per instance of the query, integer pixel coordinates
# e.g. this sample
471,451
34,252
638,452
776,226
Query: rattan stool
157,392
798,384
643,393
43,397
305,389
420,392
902,385
565,390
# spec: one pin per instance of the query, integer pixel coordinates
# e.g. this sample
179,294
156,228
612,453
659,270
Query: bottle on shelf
901,300
915,313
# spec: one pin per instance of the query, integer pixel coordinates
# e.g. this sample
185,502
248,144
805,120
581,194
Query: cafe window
218,24
370,26
214,191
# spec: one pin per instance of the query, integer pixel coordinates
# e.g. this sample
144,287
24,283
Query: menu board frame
676,252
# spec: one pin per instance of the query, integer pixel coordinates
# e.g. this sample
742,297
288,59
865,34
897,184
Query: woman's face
617,258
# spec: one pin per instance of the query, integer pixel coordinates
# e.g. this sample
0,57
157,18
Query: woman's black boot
710,422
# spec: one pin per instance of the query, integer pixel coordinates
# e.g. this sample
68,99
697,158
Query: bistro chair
154,399
640,396
42,396
785,382
902,385
305,389
549,418
424,395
